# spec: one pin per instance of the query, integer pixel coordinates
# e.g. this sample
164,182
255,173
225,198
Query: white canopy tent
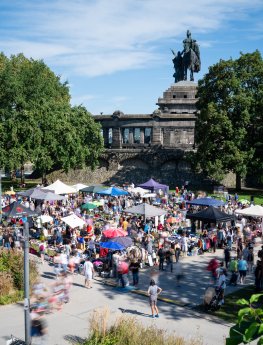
149,195
139,190
79,186
147,210
44,218
59,187
73,221
253,211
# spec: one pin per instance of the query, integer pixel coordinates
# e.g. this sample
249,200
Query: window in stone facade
137,135
147,135
126,135
185,96
110,135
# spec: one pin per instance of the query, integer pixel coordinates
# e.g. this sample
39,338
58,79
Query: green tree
29,91
38,123
227,134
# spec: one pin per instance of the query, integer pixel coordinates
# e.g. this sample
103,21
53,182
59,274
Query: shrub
250,322
128,331
12,275
6,283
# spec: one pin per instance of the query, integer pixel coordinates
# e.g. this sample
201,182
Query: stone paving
72,323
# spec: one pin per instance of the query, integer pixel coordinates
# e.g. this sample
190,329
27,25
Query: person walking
242,268
227,256
177,252
161,255
42,251
178,273
234,272
250,260
134,268
88,272
221,284
153,293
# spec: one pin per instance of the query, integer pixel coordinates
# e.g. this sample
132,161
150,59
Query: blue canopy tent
113,191
206,202
154,186
112,245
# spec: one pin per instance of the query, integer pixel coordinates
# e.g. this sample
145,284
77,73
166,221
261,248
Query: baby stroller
212,298
233,279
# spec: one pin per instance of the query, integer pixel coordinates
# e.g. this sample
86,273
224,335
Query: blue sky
115,54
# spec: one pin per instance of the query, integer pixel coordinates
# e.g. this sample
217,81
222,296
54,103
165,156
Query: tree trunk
13,175
44,179
238,181
22,170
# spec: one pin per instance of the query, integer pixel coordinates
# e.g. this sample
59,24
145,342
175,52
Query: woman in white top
88,272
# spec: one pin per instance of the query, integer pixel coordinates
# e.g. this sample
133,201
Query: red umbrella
111,233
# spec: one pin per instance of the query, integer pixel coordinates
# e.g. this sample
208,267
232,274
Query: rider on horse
189,58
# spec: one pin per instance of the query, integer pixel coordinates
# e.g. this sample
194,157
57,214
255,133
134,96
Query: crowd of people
159,242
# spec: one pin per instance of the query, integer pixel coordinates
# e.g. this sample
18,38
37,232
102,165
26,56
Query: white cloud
99,37
82,99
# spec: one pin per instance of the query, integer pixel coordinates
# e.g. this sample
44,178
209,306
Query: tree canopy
229,123
38,123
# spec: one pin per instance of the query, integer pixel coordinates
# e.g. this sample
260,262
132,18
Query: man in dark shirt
134,267
161,255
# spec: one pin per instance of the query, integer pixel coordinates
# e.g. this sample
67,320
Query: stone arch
184,166
103,163
169,165
133,163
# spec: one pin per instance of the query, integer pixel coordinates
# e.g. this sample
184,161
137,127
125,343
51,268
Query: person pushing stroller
214,296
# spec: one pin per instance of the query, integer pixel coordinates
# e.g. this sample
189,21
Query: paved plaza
72,322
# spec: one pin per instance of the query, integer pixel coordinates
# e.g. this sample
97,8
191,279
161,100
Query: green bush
250,322
128,331
12,275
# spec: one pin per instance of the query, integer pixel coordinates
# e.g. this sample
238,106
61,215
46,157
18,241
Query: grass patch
7,184
229,310
14,297
129,331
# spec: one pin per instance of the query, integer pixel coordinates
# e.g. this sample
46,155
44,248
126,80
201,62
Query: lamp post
26,285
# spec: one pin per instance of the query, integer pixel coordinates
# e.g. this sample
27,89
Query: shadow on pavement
133,311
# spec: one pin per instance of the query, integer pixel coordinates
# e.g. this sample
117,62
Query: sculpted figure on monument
189,58
178,67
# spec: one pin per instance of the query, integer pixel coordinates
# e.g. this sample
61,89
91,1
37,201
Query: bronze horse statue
191,62
189,58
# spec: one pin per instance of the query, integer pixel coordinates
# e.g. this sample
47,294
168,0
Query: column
142,136
116,137
131,136
156,135
106,136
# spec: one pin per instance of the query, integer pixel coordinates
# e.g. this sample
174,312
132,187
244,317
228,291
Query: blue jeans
135,277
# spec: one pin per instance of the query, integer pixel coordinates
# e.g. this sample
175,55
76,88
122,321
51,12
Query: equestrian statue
188,59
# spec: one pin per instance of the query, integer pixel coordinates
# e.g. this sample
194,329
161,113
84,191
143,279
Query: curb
144,293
